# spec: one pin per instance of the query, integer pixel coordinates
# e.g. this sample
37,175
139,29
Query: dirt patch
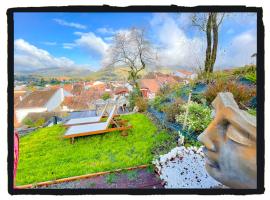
139,178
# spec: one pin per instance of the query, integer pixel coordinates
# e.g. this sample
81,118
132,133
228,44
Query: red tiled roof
151,84
37,98
185,72
121,90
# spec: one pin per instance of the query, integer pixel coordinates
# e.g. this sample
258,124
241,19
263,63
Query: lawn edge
74,178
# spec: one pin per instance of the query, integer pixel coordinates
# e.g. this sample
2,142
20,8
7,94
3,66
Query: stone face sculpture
230,144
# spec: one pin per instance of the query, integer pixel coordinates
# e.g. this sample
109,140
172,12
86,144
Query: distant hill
56,72
120,73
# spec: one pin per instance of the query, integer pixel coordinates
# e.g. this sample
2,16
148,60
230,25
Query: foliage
242,71
171,110
132,175
242,94
105,96
189,142
157,102
183,91
198,118
39,122
251,77
111,178
252,111
141,103
164,90
214,76
28,122
133,96
31,123
199,98
46,155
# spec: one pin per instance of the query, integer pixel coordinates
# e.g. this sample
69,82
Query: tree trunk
215,42
209,43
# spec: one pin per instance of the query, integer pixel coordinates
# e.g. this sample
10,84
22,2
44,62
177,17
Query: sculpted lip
209,161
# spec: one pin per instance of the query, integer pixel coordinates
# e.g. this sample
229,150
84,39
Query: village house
184,74
40,101
149,88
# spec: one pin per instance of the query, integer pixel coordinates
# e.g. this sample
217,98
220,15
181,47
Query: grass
46,155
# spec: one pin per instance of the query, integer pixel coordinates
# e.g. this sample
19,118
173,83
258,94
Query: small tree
133,50
106,96
209,23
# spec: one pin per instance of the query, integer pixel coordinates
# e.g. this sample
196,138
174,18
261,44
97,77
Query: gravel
184,168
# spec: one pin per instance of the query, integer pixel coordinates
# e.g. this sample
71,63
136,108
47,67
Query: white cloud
69,45
70,24
29,57
50,43
108,31
175,47
239,52
91,42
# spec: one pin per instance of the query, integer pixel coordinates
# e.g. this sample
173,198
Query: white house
40,101
185,74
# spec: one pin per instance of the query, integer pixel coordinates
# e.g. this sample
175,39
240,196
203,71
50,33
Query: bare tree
209,23
132,49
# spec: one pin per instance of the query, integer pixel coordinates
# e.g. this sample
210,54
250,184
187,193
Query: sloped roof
185,72
151,84
36,99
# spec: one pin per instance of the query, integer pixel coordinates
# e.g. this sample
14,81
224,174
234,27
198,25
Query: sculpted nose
206,141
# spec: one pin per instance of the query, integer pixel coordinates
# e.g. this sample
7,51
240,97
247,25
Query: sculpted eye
238,137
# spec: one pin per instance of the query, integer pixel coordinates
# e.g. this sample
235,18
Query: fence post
186,114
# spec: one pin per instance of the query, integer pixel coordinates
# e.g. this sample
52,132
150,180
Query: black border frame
173,8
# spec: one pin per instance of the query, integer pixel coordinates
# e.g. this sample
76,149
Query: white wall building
40,101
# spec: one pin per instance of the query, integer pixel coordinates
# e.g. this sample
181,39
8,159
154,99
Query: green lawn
46,155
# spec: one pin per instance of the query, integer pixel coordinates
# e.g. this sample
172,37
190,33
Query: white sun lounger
95,128
86,120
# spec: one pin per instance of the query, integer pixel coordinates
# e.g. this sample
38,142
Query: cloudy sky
82,39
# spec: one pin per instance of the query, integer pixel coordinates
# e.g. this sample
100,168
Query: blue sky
82,39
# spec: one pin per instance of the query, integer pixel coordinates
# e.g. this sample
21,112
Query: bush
242,94
133,96
251,77
28,122
158,102
39,122
173,109
199,116
242,71
106,96
141,103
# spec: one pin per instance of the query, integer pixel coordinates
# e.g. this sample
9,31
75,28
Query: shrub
39,122
252,111
28,122
251,77
242,71
171,110
157,102
242,94
106,96
141,103
132,97
198,118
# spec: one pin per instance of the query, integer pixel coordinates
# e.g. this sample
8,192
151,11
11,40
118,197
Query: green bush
242,94
28,122
251,77
252,111
171,110
106,96
198,118
133,96
39,122
141,103
158,102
